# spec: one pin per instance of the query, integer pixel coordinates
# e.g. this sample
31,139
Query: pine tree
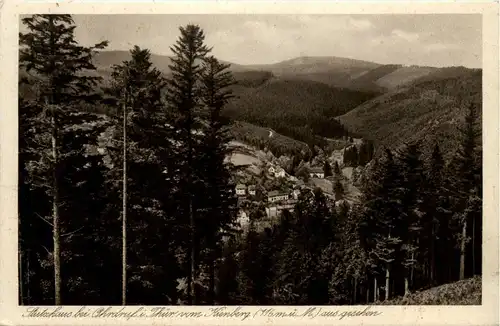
227,275
251,284
338,189
381,211
313,232
409,226
363,154
136,88
50,52
183,102
221,201
336,169
435,238
327,169
466,183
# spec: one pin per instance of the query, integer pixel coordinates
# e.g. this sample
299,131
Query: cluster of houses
272,197
314,172
243,190
278,200
317,172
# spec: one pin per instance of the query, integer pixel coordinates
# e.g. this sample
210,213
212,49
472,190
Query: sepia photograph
250,159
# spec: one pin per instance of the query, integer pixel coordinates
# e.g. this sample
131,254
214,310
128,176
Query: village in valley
265,189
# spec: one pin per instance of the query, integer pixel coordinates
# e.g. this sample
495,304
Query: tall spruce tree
183,104
221,201
381,211
466,183
435,239
136,88
409,223
49,51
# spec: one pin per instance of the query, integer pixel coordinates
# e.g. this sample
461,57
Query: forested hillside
429,109
127,195
298,109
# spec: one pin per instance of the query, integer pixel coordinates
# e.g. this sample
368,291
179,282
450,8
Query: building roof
276,193
252,187
317,170
241,186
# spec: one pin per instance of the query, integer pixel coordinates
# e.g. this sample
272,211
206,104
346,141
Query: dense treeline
302,110
426,109
142,192
359,156
278,144
419,225
136,206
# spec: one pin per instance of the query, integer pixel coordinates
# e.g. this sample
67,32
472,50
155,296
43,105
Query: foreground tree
380,215
466,183
49,51
410,184
183,103
136,90
220,206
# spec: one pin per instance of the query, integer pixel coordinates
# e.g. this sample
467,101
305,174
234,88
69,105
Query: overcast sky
434,40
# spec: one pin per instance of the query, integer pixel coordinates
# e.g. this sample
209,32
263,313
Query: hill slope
466,292
104,60
288,105
429,109
333,71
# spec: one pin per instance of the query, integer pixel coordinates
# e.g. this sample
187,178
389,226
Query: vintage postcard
221,163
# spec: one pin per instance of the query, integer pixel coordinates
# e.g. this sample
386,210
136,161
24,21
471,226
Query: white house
251,190
279,173
317,172
275,196
288,204
243,219
241,189
271,211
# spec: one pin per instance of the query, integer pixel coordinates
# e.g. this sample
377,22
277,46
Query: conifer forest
131,192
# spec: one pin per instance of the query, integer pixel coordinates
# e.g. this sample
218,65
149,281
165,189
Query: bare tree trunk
355,289
387,282
375,290
28,294
211,286
55,211
407,291
368,293
124,209
193,251
412,270
21,278
462,250
473,246
432,263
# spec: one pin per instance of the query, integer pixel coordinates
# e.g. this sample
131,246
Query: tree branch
44,219
73,232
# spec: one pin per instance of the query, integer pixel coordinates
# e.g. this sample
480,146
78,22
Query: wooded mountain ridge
307,97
